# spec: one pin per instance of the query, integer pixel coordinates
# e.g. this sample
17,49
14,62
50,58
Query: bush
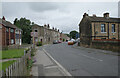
39,44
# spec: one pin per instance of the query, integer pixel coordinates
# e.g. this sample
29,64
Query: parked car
71,42
59,41
55,42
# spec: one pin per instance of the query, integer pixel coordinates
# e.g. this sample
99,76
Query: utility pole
33,40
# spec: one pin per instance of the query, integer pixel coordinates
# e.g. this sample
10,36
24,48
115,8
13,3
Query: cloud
63,15
43,6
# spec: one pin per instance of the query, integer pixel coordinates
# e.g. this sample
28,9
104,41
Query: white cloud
63,15
59,0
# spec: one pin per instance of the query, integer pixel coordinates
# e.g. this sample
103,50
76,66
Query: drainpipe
9,37
118,31
108,30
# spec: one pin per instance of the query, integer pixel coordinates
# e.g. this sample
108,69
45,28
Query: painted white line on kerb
63,69
92,58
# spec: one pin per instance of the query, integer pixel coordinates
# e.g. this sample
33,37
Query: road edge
62,69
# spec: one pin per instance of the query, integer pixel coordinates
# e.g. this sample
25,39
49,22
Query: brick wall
0,36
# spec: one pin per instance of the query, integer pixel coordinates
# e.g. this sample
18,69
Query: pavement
45,65
4,60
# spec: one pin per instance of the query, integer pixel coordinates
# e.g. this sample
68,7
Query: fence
18,68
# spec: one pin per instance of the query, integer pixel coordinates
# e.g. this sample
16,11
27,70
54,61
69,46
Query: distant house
64,37
9,34
93,28
44,34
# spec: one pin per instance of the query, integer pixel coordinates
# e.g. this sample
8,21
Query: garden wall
106,45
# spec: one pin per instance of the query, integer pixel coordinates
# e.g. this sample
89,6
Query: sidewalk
45,65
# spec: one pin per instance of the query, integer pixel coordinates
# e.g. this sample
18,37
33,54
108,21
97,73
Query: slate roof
104,19
8,24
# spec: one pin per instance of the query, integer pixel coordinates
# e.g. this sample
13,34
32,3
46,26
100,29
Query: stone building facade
64,37
44,34
104,28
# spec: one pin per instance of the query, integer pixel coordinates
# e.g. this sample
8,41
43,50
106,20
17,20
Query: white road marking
52,67
92,57
62,68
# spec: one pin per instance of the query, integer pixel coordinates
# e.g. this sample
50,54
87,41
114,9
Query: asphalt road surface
82,61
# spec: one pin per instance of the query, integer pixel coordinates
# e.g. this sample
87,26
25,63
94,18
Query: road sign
35,34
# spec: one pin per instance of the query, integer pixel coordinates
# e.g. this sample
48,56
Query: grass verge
13,53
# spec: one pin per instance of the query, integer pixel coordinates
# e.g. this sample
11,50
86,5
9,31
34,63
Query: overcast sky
62,15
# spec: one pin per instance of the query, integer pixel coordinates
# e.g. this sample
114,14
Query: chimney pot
94,15
106,14
3,18
85,14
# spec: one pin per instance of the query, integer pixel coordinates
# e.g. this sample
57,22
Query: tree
25,25
73,34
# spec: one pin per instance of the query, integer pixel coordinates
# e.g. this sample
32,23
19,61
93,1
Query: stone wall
106,45
85,31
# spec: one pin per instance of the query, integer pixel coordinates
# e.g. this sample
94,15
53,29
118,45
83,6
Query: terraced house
11,35
102,29
44,34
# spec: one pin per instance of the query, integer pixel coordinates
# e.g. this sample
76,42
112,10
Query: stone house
9,34
45,34
64,37
93,28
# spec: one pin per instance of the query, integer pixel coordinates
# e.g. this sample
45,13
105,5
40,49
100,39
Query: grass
6,64
13,53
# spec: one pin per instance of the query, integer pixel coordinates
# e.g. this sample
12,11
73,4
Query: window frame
113,29
12,30
7,29
12,41
103,28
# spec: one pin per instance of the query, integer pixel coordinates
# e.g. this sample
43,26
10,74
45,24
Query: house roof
8,24
104,19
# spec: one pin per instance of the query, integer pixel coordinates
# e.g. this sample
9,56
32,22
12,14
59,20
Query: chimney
48,26
94,15
85,14
58,30
3,18
53,28
106,14
45,25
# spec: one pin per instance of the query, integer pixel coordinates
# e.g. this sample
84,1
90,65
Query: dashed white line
92,57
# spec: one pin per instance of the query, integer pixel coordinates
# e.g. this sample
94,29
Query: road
82,61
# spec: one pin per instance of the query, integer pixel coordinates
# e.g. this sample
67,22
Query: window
12,41
103,29
11,30
113,38
7,29
113,27
35,30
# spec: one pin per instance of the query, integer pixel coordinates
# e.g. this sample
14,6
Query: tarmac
45,65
